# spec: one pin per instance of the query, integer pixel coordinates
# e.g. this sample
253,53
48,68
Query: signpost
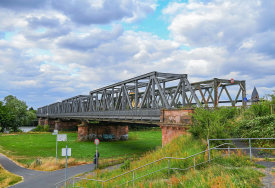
59,138
55,132
96,153
232,81
66,152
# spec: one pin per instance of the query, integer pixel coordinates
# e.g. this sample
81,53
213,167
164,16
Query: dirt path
268,180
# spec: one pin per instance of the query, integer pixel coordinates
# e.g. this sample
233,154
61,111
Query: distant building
255,96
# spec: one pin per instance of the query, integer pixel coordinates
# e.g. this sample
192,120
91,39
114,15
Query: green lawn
33,145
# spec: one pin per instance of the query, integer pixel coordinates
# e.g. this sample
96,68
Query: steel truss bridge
141,98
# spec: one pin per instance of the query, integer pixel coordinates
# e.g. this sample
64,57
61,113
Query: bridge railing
196,160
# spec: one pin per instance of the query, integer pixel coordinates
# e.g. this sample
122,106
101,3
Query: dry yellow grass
49,164
7,179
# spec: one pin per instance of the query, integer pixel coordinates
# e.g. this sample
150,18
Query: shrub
258,127
257,110
41,128
214,123
125,165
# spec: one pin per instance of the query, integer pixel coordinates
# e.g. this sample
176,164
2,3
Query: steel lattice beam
141,98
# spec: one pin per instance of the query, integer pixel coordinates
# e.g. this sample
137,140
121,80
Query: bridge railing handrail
177,158
131,171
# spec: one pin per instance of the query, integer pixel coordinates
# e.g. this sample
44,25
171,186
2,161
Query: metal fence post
168,167
73,182
228,150
209,154
194,163
133,178
102,184
250,152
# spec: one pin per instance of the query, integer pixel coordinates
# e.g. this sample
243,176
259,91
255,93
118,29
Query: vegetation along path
34,179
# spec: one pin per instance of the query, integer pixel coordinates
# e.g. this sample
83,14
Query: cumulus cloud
91,40
85,11
62,51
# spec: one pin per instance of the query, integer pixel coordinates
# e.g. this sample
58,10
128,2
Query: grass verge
7,179
37,150
233,171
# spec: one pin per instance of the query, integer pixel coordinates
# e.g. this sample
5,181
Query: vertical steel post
133,178
56,151
250,152
243,93
209,154
66,169
113,100
102,184
73,182
136,94
183,94
194,163
216,96
96,158
153,94
168,167
228,151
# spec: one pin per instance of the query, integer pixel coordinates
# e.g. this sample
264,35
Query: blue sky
51,50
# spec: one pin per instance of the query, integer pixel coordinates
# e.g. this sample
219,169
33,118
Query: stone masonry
102,132
174,122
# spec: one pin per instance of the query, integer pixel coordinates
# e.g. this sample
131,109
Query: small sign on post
61,137
55,132
96,141
68,152
232,80
96,152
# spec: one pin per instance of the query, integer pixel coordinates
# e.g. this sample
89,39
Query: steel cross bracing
139,98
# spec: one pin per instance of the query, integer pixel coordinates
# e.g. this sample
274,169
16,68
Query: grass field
26,147
7,179
234,171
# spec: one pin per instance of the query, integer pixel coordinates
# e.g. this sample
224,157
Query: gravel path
268,179
34,179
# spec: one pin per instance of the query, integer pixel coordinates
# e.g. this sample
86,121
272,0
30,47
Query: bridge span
142,99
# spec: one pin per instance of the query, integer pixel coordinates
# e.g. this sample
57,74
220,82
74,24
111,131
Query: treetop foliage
14,113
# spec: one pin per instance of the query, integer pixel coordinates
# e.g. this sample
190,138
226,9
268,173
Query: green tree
17,111
6,118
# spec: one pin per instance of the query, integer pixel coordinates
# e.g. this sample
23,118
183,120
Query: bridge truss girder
142,97
147,94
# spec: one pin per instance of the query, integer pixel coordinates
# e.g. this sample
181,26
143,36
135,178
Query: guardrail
73,180
250,148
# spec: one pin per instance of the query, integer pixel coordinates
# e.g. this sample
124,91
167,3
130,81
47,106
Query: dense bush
213,123
259,127
257,110
42,128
